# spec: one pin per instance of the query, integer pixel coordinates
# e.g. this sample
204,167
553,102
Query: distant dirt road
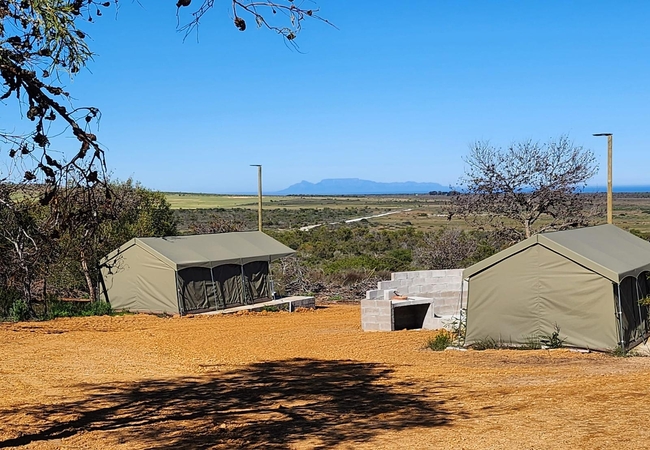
305,380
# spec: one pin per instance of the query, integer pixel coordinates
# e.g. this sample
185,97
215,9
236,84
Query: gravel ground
310,379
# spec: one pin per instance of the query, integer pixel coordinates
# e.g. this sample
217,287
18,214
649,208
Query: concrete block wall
442,287
304,302
376,315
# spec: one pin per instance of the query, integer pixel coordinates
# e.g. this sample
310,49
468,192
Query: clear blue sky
397,93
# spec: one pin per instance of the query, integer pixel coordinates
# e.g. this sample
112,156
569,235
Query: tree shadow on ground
267,405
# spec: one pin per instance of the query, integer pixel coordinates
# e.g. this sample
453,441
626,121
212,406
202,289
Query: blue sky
397,93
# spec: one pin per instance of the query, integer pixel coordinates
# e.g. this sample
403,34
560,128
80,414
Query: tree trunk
92,292
45,302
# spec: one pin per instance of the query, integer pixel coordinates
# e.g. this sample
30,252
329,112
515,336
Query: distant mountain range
356,186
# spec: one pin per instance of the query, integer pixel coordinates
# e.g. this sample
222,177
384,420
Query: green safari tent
587,281
185,274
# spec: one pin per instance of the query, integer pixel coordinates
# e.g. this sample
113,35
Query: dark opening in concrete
409,317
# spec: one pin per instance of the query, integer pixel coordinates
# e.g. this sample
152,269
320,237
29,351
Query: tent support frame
638,299
244,294
178,294
460,319
214,289
619,315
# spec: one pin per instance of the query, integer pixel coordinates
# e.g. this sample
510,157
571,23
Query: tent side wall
580,301
526,295
501,300
138,281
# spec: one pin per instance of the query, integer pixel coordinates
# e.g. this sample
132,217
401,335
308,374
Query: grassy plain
425,212
202,201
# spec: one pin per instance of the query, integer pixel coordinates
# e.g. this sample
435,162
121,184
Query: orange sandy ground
310,379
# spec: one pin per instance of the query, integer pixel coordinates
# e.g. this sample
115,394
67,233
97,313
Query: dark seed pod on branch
47,198
46,170
240,23
84,148
180,3
41,140
53,162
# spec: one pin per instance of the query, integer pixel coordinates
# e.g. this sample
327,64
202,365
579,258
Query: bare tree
284,17
217,224
527,187
448,248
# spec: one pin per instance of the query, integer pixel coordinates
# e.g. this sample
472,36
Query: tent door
228,286
196,289
634,316
256,281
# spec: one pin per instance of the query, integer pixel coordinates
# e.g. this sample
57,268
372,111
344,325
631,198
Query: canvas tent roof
604,249
209,250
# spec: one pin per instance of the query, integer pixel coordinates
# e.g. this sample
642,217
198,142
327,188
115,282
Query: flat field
304,380
425,212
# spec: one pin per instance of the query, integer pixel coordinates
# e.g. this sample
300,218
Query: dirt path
304,380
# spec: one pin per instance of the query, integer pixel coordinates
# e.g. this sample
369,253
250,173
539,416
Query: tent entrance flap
256,281
228,285
196,289
634,315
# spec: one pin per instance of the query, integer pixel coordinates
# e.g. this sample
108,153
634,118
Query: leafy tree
527,187
54,203
140,212
130,211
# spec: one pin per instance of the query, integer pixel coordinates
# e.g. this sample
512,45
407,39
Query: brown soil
310,379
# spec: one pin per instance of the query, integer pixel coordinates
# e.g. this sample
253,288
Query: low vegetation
52,253
440,341
333,261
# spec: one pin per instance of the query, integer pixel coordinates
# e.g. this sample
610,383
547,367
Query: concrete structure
433,300
286,303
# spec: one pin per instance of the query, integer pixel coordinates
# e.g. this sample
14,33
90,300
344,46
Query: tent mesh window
634,314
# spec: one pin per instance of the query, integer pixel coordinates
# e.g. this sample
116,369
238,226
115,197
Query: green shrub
553,340
487,343
458,325
440,341
620,352
19,311
58,308
532,343
270,309
8,297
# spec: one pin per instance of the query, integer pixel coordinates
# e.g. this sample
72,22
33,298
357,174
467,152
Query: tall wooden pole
610,195
259,195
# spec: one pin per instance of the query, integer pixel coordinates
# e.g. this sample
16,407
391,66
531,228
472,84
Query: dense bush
348,259
8,297
58,308
56,251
